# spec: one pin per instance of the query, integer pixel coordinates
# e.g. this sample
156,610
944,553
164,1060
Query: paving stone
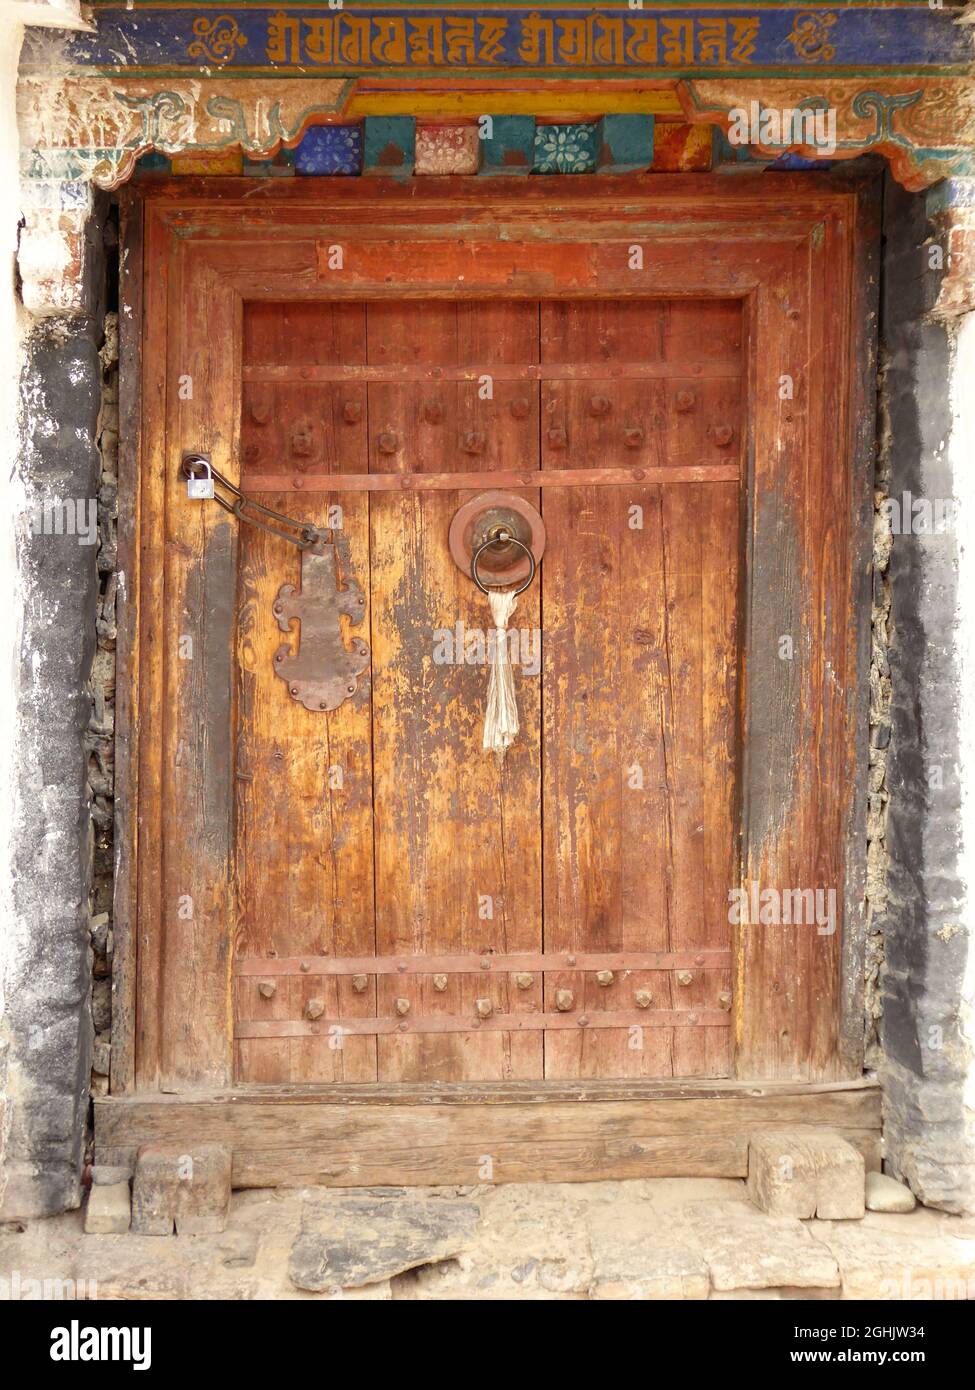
894,1264
345,1244
109,1209
748,1249
531,1244
884,1193
633,1258
806,1173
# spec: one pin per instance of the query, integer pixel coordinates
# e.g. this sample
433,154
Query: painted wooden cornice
200,87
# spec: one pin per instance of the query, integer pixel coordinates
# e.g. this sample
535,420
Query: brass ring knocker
502,538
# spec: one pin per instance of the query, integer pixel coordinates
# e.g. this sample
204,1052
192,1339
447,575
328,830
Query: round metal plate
473,524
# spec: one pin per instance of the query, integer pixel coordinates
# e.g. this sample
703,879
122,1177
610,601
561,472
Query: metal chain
308,535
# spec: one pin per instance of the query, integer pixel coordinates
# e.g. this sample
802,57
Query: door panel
382,828
637,855
304,862
457,848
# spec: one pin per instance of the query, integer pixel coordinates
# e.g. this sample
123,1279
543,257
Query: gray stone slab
346,1244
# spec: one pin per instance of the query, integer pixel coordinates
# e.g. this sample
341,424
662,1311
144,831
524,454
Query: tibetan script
531,41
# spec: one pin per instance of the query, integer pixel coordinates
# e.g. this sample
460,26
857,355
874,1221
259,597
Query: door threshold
460,1133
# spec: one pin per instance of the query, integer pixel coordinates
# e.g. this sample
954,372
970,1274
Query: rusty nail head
582,1020
639,474
297,482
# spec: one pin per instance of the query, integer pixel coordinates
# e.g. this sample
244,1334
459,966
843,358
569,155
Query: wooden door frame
801,251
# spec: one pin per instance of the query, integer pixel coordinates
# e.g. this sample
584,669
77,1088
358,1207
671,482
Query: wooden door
362,895
382,829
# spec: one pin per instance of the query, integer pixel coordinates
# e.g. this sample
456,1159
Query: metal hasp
322,671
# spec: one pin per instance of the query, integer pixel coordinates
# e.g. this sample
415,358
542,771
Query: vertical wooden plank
197,901
160,302
457,834
776,773
304,779
631,691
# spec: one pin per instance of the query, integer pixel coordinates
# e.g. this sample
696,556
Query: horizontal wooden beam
474,964
496,371
438,1133
496,1023
456,482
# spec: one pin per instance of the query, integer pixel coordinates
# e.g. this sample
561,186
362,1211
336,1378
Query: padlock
199,487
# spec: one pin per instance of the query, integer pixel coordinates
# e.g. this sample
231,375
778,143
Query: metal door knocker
498,539
476,536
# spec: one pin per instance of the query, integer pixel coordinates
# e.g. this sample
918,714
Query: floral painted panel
330,149
447,149
566,149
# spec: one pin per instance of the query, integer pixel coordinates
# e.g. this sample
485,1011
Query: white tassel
501,716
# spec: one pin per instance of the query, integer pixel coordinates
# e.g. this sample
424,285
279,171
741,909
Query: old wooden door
363,895
381,829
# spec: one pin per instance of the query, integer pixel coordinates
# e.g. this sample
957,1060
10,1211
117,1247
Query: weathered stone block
108,1210
805,1174
185,1188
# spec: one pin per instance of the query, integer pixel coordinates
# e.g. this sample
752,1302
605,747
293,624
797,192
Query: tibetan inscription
656,37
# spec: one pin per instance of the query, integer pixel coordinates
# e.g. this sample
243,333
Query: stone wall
48,966
926,923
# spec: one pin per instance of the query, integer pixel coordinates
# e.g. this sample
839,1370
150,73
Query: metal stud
523,980
599,405
633,437
721,434
359,983
484,1008
388,442
267,988
564,1000
684,401
402,1006
557,437
314,1008
473,442
260,411
684,977
724,999
302,439
433,412
643,998
352,412
604,977
440,983
520,407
